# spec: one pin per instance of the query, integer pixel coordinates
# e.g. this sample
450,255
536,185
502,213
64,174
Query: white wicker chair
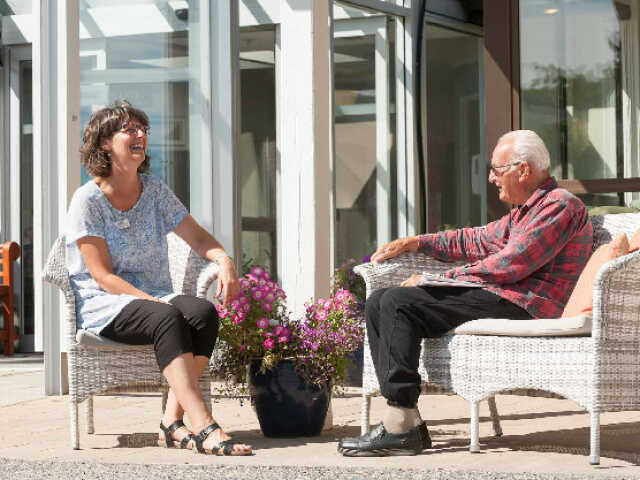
600,372
100,366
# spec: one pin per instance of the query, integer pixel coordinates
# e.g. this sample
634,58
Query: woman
118,267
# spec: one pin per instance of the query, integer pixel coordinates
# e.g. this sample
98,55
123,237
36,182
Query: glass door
365,163
456,168
20,135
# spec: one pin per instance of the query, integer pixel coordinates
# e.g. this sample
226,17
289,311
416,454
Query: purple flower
262,323
268,343
366,258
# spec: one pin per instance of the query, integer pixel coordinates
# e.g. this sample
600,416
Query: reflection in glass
257,158
365,155
456,173
141,52
579,87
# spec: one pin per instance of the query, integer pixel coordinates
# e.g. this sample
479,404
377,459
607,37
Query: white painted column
56,135
224,103
305,81
383,151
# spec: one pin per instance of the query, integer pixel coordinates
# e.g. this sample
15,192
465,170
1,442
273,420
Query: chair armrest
394,271
205,278
616,302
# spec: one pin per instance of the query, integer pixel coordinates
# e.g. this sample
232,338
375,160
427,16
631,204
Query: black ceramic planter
286,405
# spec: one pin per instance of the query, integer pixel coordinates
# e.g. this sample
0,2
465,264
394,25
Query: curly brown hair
101,126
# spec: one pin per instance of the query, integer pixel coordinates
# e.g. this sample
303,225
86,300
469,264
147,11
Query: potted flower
292,365
253,328
292,399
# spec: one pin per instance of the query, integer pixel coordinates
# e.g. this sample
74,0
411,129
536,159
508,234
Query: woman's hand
395,248
228,284
412,281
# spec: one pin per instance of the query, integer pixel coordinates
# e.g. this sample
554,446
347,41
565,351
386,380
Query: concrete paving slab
543,438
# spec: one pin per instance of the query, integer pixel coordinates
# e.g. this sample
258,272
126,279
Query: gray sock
400,420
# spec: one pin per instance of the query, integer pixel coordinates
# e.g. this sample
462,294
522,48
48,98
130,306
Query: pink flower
242,347
243,299
222,311
262,323
237,318
278,329
270,297
320,315
257,294
267,306
235,304
257,271
244,283
327,305
283,339
268,343
246,307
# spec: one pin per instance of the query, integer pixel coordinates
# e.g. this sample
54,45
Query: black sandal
169,442
223,448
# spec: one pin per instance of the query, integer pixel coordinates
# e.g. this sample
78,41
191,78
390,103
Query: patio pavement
544,438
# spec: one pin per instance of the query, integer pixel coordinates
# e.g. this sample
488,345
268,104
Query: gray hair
528,147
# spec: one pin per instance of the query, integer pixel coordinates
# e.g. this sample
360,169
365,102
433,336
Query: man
527,263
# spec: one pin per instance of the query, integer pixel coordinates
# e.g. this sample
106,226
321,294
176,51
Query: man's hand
228,284
412,281
395,248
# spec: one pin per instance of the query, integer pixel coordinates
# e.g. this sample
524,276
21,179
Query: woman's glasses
132,130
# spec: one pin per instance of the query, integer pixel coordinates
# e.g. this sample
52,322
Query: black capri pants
185,325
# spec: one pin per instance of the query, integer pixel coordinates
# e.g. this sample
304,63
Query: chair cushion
580,325
581,299
88,339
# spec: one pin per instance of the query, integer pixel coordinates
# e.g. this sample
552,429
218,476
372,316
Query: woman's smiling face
128,144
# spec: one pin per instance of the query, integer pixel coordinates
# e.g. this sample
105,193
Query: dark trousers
186,325
399,318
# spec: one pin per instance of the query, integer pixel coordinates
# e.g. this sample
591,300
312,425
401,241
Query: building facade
288,127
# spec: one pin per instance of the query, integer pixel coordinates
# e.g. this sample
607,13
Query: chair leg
366,411
495,417
74,423
474,447
89,414
595,438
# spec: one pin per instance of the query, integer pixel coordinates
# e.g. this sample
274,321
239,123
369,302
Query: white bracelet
221,255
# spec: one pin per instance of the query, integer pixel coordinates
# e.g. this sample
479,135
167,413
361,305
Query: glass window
143,52
579,88
364,114
257,154
456,173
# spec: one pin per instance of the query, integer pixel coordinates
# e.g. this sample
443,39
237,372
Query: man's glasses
132,130
500,169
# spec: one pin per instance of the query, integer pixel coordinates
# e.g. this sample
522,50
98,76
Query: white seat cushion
578,326
89,339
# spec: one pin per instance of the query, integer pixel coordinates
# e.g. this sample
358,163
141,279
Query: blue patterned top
137,244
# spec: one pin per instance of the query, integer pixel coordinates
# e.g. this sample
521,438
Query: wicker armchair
600,372
100,366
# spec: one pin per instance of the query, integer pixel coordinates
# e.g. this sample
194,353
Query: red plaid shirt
532,256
